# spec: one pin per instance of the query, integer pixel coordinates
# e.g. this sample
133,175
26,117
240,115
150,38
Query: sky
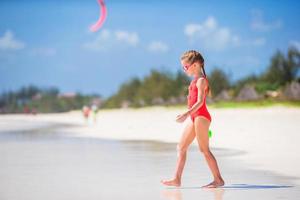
48,43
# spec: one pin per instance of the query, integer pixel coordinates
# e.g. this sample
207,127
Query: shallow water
48,164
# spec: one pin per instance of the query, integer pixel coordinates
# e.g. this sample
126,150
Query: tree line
163,87
158,87
32,99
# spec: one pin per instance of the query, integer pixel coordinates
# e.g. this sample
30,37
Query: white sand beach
269,136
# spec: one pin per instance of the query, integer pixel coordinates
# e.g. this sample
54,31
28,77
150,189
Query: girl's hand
182,117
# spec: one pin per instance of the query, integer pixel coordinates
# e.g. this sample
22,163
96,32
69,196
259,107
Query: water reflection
172,194
176,194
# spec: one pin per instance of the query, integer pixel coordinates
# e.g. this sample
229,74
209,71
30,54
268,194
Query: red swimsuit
192,99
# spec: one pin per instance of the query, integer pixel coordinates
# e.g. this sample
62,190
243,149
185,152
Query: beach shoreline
261,133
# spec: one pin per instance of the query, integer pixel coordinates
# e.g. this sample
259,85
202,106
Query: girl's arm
201,86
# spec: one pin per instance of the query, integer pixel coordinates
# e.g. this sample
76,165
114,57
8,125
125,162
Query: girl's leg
186,139
201,129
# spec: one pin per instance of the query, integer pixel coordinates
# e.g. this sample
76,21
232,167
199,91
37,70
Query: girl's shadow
243,186
250,186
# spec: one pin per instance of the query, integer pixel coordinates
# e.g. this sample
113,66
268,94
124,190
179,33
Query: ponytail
203,70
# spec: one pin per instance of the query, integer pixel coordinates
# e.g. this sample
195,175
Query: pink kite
102,17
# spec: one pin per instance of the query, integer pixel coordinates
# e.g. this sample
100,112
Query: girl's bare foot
214,184
173,182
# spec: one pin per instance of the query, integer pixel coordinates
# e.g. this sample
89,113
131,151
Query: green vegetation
156,88
218,81
281,71
34,99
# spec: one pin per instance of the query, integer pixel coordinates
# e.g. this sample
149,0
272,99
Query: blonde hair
192,56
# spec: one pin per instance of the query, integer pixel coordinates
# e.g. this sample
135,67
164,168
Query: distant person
86,113
26,109
34,111
193,65
95,111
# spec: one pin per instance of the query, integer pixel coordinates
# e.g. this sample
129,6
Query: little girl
193,65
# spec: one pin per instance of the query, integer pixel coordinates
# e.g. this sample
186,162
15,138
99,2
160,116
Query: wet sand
49,163
269,135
